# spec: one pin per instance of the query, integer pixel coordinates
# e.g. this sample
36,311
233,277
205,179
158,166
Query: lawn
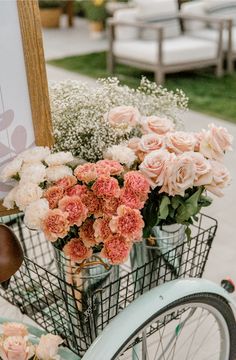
207,93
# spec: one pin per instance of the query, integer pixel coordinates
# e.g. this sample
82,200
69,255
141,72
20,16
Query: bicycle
155,325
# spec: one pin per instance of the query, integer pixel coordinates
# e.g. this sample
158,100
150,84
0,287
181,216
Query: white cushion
221,8
126,32
212,34
163,12
180,50
193,8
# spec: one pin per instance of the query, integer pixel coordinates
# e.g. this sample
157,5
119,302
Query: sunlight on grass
207,93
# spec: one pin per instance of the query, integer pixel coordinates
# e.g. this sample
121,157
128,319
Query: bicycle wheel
196,327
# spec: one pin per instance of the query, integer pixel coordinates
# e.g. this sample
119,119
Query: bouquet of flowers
15,344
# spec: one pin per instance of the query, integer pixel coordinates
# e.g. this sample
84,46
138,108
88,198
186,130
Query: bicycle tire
218,306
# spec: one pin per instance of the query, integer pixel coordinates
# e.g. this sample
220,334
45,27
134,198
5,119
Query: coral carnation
76,250
92,202
87,233
116,249
102,229
129,198
55,225
106,186
136,181
77,211
114,167
110,205
128,223
76,190
67,182
53,195
86,172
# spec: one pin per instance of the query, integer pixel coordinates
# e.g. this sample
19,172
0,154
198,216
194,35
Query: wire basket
54,304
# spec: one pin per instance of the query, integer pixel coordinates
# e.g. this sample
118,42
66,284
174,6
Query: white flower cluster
30,170
78,113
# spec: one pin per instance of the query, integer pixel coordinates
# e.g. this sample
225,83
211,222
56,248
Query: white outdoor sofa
150,38
223,9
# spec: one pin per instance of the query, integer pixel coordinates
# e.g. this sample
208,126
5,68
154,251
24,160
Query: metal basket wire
46,298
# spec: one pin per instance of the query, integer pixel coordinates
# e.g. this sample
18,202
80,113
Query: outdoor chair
149,37
223,9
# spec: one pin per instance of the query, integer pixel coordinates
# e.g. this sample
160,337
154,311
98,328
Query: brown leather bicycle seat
11,254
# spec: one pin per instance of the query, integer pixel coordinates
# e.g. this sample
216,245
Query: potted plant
95,12
50,11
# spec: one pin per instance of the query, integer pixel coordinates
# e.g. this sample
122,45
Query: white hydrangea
60,158
121,153
54,173
11,169
35,212
33,173
37,154
27,193
9,200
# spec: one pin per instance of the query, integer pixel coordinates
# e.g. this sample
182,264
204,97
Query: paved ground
59,43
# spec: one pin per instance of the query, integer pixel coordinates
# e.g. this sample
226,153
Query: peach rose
86,172
116,249
221,178
47,347
67,182
113,167
215,142
86,233
179,175
137,182
102,229
203,169
55,224
128,223
53,195
154,167
76,250
106,186
157,124
180,142
133,143
76,211
15,348
150,142
14,329
124,117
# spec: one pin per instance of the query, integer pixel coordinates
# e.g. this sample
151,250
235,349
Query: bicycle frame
110,340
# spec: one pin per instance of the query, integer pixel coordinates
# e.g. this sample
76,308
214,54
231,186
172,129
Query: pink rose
76,250
154,167
157,124
116,249
180,142
179,175
123,116
55,224
53,195
128,223
215,142
221,178
113,167
134,144
86,172
47,347
76,211
102,229
14,329
203,169
150,142
15,348
106,186
67,182
86,233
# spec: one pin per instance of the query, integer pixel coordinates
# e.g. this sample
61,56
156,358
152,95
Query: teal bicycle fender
132,317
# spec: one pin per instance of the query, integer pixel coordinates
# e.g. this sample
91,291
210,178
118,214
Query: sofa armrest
137,24
210,20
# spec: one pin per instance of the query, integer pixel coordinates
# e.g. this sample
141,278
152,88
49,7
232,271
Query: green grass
207,94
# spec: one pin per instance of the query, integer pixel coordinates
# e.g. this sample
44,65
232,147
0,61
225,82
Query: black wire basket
61,308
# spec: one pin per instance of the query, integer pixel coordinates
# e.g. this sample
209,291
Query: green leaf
176,201
205,200
164,207
188,233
